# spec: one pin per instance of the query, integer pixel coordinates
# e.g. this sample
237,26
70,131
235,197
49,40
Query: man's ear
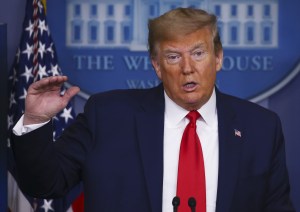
219,60
156,66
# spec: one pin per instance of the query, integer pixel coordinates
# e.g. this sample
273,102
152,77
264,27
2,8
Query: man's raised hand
44,99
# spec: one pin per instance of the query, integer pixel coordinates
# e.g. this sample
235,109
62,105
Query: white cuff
21,129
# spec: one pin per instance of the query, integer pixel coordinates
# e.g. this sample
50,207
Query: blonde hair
180,22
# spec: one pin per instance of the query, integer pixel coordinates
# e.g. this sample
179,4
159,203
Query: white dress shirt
175,123
207,129
20,129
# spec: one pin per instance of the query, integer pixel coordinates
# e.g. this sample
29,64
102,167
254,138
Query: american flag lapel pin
237,133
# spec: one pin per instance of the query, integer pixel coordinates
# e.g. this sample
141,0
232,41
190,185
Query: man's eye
198,53
172,59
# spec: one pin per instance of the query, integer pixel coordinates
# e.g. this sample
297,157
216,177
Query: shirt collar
174,114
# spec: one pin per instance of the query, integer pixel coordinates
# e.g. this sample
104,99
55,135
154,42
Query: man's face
187,66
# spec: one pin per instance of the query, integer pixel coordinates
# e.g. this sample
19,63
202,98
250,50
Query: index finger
48,82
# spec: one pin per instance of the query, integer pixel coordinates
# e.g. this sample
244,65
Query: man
125,146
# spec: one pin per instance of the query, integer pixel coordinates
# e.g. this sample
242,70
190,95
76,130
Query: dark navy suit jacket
116,149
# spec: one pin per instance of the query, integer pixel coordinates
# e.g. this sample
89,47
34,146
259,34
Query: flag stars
47,205
63,91
12,99
42,26
237,133
13,77
50,50
28,50
10,121
40,5
27,73
54,135
42,49
55,118
24,94
42,71
54,70
66,114
30,28
18,54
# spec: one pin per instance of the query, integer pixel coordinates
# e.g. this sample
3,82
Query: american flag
35,59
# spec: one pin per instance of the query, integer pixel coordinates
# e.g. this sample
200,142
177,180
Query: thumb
70,93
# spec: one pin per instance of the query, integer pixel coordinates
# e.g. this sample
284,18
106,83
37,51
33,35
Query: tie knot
193,116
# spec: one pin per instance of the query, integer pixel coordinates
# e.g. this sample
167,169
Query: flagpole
3,116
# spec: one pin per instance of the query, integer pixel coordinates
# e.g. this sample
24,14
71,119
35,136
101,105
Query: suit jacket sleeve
48,169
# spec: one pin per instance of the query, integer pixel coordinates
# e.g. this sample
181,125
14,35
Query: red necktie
191,174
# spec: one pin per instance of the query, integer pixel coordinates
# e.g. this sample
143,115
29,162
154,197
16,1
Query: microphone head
192,202
176,201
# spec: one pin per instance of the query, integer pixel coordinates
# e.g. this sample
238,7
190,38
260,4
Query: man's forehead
187,44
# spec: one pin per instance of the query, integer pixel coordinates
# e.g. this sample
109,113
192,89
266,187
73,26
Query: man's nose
186,65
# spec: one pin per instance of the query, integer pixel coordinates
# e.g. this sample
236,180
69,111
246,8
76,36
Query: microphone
175,203
192,204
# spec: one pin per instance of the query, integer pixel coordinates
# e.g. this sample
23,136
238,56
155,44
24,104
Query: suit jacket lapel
150,132
230,142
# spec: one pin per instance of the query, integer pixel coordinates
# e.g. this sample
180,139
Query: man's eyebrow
171,50
176,50
198,46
